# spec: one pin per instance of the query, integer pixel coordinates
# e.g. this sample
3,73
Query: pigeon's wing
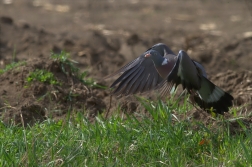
211,96
138,76
192,76
200,68
184,72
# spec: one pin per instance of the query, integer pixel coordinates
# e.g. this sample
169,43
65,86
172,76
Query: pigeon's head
154,56
162,49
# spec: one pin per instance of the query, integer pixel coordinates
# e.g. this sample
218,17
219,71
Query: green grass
162,140
42,76
12,66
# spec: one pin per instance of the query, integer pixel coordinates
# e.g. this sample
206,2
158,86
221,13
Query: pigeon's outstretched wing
200,69
192,76
139,75
184,72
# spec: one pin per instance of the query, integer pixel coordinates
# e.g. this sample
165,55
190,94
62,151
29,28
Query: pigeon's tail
211,96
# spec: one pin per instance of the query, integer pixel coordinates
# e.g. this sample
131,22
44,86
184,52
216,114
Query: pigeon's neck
159,61
164,69
164,64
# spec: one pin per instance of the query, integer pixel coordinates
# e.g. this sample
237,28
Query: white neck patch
165,53
164,62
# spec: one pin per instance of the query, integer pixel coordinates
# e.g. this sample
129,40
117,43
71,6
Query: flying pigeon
159,68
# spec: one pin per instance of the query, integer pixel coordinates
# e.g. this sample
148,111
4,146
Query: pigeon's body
160,68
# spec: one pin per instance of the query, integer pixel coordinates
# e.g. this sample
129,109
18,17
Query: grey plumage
160,68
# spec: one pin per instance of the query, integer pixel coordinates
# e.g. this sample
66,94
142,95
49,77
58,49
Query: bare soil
104,35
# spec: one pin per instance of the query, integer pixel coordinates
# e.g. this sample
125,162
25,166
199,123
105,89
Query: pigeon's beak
147,55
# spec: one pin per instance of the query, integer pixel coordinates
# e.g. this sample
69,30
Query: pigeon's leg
108,110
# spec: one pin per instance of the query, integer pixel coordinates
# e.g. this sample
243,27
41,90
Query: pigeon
159,68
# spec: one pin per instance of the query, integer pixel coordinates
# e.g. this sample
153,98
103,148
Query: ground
104,35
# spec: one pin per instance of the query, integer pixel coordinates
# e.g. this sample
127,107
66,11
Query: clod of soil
26,102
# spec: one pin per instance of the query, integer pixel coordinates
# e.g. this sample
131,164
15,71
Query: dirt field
103,35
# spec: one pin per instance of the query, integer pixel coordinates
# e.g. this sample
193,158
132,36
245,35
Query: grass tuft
42,76
12,66
66,63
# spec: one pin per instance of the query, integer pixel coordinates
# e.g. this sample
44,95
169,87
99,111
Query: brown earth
104,35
